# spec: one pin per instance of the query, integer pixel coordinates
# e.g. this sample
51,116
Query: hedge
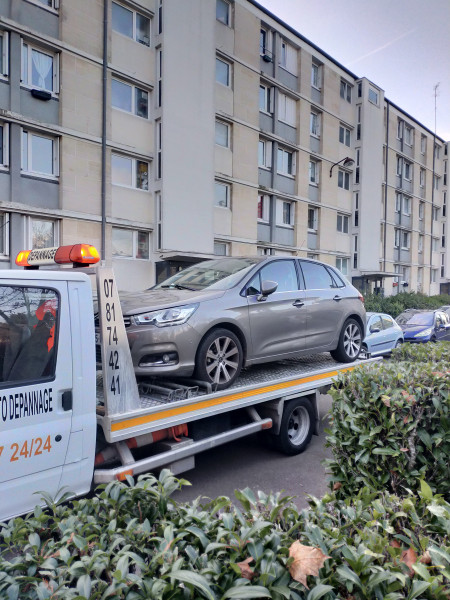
132,541
390,423
394,305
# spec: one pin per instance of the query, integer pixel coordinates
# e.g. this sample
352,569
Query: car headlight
167,317
424,333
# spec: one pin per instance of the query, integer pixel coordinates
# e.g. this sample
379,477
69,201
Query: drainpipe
386,161
105,80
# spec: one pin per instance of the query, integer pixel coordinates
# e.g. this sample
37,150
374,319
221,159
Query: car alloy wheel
219,358
350,342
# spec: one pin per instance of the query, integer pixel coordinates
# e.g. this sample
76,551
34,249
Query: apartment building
167,132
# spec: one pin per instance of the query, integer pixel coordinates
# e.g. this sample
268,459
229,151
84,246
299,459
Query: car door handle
298,303
337,298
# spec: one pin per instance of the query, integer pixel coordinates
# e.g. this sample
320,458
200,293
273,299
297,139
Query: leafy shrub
133,542
394,305
390,423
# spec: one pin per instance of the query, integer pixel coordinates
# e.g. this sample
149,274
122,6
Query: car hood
133,303
412,330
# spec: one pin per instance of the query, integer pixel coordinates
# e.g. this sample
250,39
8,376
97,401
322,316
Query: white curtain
43,64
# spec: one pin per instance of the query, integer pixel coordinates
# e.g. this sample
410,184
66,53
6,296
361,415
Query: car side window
317,277
387,322
28,321
254,286
283,272
376,323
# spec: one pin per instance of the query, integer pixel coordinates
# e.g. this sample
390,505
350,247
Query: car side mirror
375,330
267,288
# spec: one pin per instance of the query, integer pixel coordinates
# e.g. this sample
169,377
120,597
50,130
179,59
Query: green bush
394,305
133,542
390,423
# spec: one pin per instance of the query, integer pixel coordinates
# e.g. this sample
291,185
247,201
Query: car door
35,372
380,340
277,323
442,327
325,305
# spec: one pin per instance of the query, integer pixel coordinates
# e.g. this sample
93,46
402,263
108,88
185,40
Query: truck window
28,325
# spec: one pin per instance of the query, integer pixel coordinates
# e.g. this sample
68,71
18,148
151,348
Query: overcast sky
403,46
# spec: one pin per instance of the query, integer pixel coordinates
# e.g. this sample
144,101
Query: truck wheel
296,428
350,342
219,358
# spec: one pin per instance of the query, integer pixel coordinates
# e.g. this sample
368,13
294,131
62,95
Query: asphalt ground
249,463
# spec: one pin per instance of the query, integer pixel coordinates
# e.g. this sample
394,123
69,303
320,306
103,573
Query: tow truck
66,426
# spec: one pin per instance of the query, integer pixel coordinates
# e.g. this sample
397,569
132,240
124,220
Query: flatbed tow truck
66,426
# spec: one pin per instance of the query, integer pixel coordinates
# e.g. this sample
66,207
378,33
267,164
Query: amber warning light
79,255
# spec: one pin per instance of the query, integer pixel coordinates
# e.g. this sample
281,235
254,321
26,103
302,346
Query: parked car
445,308
216,316
383,334
424,325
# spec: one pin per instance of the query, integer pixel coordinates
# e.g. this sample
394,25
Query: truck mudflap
177,453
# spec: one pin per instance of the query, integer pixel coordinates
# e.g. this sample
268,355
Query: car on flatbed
214,317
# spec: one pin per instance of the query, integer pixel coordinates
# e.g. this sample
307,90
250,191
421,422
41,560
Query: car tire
364,352
296,427
350,342
398,343
219,358
433,339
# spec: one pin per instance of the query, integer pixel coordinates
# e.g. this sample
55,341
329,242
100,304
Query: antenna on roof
436,94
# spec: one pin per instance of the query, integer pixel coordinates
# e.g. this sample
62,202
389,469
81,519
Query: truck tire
350,342
296,427
219,358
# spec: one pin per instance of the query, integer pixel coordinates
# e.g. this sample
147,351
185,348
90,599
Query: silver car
217,316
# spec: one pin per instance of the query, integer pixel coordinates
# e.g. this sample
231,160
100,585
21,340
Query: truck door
35,388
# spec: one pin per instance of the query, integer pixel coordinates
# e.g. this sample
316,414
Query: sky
402,46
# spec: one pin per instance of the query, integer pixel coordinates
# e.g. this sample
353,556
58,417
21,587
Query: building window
344,135
356,211
422,178
39,69
342,264
342,223
263,207
406,206
373,96
404,168
264,154
316,75
265,98
222,134
398,203
313,219
159,77
434,244
288,57
223,72
437,151
129,243
222,194
129,172
346,91
314,124
285,162
434,275
408,135
221,249
4,145
129,98
435,213
287,110
343,180
4,60
313,172
4,234
420,244
39,155
443,235
436,182
423,144
421,210
285,213
397,238
130,23
43,233
444,204
265,43
223,12
158,149
405,238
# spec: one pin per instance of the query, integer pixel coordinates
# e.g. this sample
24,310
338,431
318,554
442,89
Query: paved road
247,463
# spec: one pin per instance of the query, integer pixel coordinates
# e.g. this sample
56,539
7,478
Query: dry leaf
409,557
404,449
395,544
425,559
307,561
246,571
386,400
337,486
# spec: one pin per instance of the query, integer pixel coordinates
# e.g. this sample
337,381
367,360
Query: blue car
383,334
424,325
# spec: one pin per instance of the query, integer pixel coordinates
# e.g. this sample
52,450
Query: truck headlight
424,333
167,317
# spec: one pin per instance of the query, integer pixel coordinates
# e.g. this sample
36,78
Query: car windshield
220,274
415,319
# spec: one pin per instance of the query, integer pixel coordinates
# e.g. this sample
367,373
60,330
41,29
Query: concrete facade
209,127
